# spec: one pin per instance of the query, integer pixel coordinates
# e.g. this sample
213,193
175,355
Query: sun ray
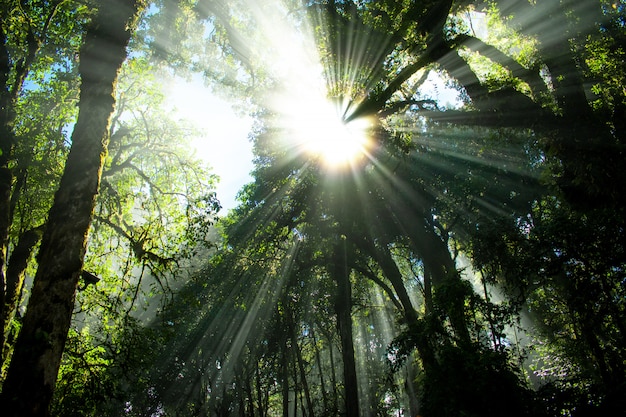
314,97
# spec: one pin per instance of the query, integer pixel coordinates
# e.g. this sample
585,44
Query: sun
319,131
313,123
336,142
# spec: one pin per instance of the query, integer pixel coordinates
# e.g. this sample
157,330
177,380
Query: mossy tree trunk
32,374
8,96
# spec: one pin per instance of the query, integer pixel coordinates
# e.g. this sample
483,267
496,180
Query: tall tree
35,37
32,374
151,227
439,188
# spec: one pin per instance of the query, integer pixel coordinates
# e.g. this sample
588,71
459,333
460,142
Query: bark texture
16,271
7,116
343,310
33,371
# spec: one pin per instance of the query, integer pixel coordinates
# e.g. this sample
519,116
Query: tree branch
530,76
372,276
397,106
137,244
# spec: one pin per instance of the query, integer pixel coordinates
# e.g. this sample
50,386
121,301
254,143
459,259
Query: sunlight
311,120
319,130
222,139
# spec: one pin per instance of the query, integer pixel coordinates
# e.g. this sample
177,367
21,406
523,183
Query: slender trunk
18,263
6,178
318,361
384,259
8,99
303,411
16,267
393,274
285,377
250,395
428,291
495,338
333,377
19,184
33,371
244,391
343,310
241,393
7,140
411,390
259,392
442,270
305,384
15,278
296,389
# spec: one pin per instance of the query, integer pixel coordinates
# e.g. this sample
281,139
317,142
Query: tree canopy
435,224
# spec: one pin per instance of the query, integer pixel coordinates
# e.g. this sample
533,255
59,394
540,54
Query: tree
152,223
534,88
40,345
35,41
464,220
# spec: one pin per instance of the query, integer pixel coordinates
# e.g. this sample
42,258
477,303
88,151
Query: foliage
475,253
94,371
38,94
152,217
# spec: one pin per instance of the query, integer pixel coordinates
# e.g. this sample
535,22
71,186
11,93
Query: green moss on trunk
33,371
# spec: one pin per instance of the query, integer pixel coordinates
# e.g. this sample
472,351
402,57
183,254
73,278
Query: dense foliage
468,261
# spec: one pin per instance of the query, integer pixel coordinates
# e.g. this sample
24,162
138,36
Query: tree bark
285,375
305,383
390,270
442,270
15,276
33,371
333,376
343,310
382,255
7,140
9,93
296,388
318,360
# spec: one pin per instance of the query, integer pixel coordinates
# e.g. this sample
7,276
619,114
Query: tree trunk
296,389
9,92
318,361
33,371
393,274
249,394
441,269
18,262
285,376
7,115
333,376
259,392
305,384
428,291
15,280
411,390
383,257
343,309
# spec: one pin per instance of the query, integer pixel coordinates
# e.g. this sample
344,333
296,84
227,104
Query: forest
434,225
